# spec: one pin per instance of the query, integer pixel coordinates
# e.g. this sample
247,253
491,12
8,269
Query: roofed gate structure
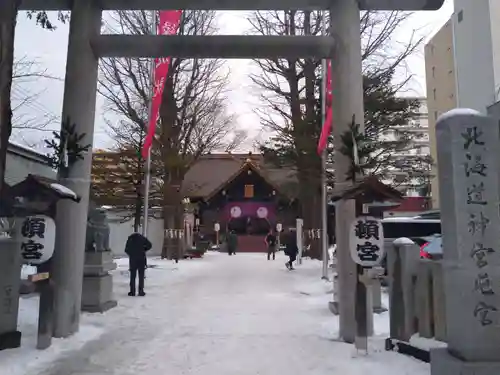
86,45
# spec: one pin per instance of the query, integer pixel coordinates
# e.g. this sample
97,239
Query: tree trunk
174,171
138,213
8,15
310,202
173,218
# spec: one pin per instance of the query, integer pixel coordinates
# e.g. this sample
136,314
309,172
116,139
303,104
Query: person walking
136,247
232,242
271,241
291,248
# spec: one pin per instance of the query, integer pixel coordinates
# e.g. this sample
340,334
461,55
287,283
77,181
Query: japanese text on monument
478,223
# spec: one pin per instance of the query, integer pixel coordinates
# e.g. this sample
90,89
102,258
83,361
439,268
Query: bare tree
194,118
28,113
8,18
291,92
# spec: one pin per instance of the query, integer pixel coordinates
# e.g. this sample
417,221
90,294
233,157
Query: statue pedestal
97,293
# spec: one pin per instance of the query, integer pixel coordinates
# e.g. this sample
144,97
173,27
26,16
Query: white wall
120,231
495,37
474,54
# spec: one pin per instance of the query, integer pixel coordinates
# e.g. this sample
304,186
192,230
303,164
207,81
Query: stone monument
97,292
10,284
468,145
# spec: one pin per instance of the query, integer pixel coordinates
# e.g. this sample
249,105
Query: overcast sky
48,49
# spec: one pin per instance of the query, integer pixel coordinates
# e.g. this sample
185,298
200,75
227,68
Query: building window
248,191
460,16
434,93
433,72
435,115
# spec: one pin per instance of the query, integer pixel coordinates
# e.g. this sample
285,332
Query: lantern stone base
97,292
10,285
443,363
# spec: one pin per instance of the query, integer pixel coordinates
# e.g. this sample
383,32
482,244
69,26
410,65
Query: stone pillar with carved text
468,145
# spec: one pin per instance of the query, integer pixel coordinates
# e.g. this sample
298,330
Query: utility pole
347,100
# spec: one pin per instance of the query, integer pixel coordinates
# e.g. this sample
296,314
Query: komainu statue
97,238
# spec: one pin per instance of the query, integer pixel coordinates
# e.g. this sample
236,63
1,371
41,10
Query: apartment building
462,63
476,40
441,89
417,129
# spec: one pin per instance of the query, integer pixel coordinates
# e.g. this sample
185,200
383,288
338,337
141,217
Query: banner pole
147,167
324,197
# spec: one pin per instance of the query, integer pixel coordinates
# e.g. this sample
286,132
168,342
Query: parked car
432,249
433,214
420,230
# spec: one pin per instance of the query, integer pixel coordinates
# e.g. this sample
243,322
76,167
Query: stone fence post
402,263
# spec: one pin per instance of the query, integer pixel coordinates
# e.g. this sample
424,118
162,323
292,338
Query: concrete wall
120,230
441,89
22,161
474,57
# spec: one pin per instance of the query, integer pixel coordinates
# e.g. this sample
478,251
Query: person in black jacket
271,245
291,248
136,248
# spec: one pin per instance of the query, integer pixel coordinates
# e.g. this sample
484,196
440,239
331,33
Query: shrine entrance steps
251,244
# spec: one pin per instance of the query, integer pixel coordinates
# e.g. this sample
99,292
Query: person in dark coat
136,248
271,242
291,248
231,242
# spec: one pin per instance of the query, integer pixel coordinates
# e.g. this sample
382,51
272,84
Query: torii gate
86,45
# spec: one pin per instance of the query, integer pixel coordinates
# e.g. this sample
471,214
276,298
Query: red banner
169,24
327,125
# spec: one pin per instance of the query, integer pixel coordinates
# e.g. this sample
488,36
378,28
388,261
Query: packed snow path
223,315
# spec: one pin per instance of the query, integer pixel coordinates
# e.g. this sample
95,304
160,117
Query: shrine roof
35,182
214,171
370,186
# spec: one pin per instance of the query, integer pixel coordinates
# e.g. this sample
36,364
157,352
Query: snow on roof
63,190
19,148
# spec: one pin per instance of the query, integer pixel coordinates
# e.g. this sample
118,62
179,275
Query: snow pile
426,344
27,359
27,271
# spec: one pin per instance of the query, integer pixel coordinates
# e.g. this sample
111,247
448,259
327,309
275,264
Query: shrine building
241,192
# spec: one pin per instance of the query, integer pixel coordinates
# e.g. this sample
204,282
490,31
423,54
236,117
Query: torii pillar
80,87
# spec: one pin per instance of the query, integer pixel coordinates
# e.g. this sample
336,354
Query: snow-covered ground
217,315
